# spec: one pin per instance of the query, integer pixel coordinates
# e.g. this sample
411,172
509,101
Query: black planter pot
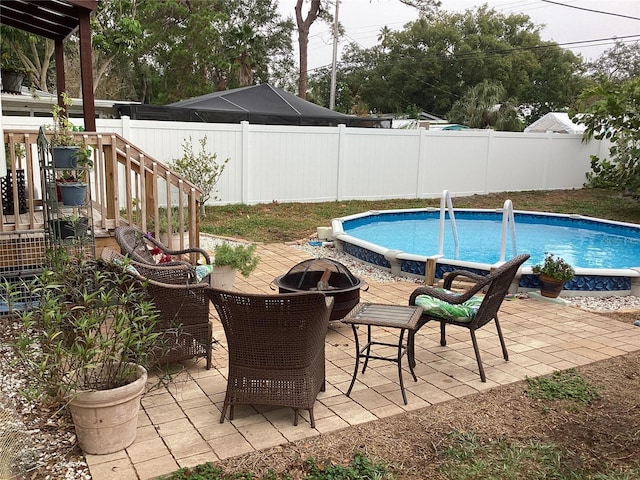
65,157
64,229
12,81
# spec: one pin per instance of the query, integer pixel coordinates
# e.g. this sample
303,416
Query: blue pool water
583,242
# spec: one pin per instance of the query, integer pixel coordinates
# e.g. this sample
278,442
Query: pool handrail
508,219
447,204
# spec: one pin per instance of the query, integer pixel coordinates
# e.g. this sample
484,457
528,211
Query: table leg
368,348
355,370
399,362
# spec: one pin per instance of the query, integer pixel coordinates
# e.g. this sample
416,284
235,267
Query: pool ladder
508,226
447,204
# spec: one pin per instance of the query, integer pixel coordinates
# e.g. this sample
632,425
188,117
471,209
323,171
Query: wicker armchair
276,348
497,285
183,306
137,245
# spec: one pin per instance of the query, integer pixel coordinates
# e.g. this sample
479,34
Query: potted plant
229,259
69,226
86,344
64,149
553,273
73,189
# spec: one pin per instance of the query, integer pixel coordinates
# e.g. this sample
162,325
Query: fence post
342,131
245,169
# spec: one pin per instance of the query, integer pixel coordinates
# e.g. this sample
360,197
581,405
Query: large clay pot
222,277
106,420
550,287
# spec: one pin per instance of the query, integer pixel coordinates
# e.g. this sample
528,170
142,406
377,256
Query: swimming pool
605,254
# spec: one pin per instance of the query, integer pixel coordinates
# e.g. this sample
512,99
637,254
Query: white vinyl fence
314,164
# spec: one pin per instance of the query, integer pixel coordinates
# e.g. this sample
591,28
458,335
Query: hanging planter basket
73,193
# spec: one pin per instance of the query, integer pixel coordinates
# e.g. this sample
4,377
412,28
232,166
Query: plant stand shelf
67,225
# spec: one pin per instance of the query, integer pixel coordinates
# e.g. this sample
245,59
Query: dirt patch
603,434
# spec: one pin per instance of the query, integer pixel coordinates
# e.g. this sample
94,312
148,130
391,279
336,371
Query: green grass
282,222
567,385
468,457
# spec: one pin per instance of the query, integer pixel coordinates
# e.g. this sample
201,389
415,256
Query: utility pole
332,95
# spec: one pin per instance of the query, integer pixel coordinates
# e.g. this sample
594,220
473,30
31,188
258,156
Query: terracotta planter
550,287
106,420
222,277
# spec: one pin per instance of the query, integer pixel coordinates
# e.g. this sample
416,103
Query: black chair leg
505,354
443,334
477,352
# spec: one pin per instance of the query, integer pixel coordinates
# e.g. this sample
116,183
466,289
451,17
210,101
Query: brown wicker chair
137,245
276,348
183,306
497,285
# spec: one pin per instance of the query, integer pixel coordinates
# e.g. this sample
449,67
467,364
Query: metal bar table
390,316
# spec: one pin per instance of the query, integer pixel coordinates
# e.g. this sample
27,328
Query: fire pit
327,276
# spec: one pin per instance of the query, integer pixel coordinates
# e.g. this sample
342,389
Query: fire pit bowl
327,276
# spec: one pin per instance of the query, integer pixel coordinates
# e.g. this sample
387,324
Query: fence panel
313,164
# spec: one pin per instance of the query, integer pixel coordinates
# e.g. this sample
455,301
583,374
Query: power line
591,10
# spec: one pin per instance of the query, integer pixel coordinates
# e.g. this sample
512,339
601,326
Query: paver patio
180,425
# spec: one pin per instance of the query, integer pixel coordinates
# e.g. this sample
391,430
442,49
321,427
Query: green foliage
62,128
562,385
486,106
612,111
360,468
554,267
239,257
86,314
201,169
433,61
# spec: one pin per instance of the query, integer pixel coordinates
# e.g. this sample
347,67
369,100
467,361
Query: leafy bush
612,111
201,169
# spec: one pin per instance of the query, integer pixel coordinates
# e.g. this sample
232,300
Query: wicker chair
183,306
137,245
497,285
276,348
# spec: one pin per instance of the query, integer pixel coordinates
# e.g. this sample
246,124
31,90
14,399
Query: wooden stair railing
130,188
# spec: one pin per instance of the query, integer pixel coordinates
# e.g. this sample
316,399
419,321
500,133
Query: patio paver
179,424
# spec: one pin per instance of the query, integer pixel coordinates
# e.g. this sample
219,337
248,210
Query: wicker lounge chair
183,306
276,348
496,284
137,245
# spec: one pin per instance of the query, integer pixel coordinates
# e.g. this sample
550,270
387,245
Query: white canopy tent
557,122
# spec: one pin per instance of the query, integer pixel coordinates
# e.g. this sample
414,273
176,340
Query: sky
363,19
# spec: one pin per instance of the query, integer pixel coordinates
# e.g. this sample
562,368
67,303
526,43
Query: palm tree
486,106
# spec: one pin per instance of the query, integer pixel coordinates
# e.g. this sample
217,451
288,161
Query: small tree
612,111
202,169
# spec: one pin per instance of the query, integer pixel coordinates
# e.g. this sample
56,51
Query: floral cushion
203,271
463,312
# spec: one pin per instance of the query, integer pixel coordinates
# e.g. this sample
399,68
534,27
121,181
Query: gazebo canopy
259,104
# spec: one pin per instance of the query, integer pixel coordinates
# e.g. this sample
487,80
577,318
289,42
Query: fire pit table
327,276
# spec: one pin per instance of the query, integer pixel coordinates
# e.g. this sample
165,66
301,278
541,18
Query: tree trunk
303,40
